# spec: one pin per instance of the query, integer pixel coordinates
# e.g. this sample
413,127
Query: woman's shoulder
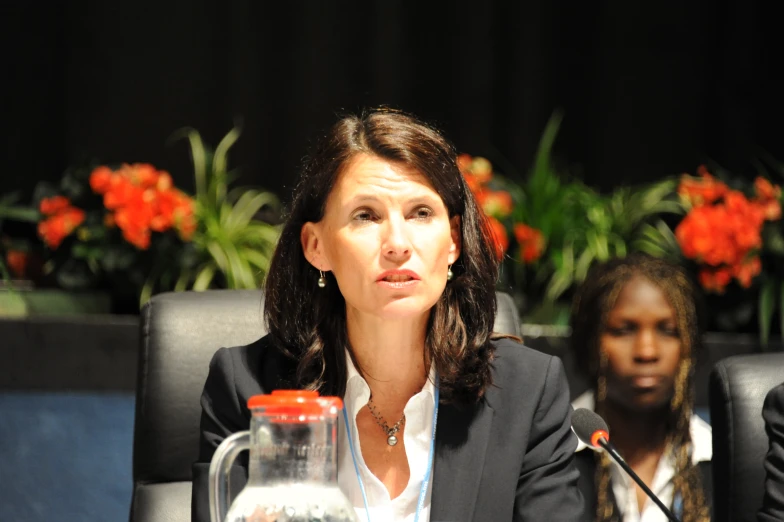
774,399
513,358
522,374
258,365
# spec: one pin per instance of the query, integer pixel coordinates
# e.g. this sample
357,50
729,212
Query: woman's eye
423,213
669,330
363,215
618,331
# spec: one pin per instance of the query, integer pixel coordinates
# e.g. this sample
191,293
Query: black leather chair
737,389
179,334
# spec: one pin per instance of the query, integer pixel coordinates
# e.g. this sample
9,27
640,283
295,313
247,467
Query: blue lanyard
425,481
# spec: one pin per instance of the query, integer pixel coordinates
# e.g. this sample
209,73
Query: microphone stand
607,445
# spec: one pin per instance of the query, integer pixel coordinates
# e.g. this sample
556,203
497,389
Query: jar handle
220,468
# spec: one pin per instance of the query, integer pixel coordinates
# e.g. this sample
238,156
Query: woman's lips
398,284
397,276
645,382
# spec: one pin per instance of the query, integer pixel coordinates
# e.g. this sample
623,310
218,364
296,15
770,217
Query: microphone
591,429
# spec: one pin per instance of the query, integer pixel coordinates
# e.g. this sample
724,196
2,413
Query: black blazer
586,464
773,413
507,458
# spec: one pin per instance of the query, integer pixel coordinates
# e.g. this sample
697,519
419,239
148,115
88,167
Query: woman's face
643,347
387,238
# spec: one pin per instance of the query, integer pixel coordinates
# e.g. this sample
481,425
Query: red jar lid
294,403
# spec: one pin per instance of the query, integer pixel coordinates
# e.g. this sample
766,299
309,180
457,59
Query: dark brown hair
592,304
309,322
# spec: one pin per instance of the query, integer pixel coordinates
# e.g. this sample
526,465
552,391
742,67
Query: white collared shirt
662,486
416,437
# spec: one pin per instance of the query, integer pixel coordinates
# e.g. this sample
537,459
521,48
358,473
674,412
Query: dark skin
643,350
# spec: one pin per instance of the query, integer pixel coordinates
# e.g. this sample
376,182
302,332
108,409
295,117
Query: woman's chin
408,307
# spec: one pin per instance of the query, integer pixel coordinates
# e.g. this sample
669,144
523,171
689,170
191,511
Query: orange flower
56,228
473,183
771,210
142,200
498,236
497,203
768,196
164,182
142,175
120,192
744,220
17,262
766,190
134,219
53,205
701,238
482,169
187,227
464,162
715,279
746,271
101,179
531,242
137,236
185,217
702,190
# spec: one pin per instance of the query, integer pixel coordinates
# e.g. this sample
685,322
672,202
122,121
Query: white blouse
662,486
416,437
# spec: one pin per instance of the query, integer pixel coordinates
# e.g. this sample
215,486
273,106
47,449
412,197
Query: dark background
647,89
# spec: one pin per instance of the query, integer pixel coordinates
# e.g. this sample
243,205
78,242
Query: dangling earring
322,281
449,274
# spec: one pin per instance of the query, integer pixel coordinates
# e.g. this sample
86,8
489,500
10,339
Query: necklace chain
382,423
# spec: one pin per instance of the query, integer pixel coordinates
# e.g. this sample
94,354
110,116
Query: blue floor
65,457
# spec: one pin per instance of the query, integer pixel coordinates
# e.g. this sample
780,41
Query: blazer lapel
462,435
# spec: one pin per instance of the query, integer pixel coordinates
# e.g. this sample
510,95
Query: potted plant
557,227
732,237
128,230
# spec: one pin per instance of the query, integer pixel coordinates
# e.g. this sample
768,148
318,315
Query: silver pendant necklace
391,432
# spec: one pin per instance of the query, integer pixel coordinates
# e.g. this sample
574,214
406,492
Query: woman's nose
645,346
397,242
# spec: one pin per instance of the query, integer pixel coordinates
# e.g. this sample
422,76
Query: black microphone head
585,423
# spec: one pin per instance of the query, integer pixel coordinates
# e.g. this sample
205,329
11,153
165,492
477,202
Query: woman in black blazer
773,413
381,291
635,329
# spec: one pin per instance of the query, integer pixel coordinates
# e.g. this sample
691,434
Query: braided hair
590,310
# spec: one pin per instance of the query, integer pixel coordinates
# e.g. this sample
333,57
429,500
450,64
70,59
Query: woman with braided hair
635,331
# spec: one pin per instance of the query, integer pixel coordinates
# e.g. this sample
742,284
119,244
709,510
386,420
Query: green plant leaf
583,265
256,258
198,156
765,309
247,206
559,283
6,275
542,161
25,214
182,281
657,240
204,277
219,255
219,160
598,244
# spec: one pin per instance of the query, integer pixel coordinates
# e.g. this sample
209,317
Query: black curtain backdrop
647,89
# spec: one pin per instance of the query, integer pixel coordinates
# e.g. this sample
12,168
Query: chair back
737,389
